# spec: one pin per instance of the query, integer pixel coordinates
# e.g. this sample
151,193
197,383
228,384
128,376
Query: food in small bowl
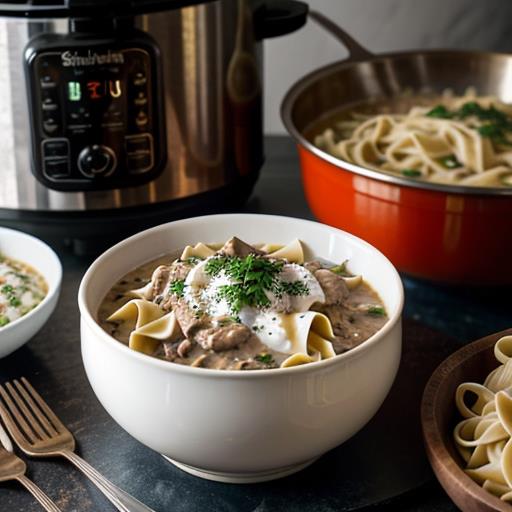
466,410
242,307
30,277
237,417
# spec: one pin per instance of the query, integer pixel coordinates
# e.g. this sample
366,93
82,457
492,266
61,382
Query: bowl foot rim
242,478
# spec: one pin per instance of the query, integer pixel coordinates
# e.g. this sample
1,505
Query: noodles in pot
464,140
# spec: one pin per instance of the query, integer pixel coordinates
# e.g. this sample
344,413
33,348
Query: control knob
96,160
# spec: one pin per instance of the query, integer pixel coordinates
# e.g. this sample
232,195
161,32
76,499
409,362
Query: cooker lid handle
279,17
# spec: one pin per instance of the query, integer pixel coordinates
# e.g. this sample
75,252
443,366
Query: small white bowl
28,249
236,426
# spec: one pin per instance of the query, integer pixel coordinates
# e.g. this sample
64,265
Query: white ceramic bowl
240,426
31,250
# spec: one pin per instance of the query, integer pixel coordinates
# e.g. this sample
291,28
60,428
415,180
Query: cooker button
96,160
50,125
140,100
139,162
142,119
55,148
57,168
138,143
47,82
139,79
48,105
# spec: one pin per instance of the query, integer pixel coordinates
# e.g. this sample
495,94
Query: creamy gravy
353,323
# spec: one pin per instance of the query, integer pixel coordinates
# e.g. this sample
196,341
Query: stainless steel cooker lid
89,8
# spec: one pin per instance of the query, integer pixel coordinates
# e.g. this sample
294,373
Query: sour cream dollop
202,291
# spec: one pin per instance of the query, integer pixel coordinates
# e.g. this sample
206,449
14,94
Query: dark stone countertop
52,362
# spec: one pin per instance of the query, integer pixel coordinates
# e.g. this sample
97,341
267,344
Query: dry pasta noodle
484,437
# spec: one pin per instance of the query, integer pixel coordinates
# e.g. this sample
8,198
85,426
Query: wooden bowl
439,416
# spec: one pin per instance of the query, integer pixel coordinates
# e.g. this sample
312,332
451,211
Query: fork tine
50,429
10,409
59,426
26,412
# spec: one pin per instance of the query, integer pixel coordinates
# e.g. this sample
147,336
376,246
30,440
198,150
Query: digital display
74,91
95,89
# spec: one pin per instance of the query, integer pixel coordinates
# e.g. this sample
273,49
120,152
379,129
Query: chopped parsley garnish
440,112
14,301
192,260
341,269
250,268
411,173
3,320
264,358
497,123
450,162
295,288
177,287
376,311
254,275
7,288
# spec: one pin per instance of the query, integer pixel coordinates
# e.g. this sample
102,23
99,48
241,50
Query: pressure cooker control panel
96,110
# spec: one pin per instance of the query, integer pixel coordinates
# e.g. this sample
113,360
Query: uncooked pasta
484,437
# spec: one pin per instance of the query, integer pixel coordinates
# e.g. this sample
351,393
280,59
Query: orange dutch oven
447,233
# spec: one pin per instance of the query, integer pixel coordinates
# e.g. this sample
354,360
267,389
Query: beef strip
312,266
253,364
189,319
162,277
227,337
184,347
334,286
342,344
236,247
159,281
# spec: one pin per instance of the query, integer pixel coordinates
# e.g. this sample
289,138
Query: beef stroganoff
464,140
241,307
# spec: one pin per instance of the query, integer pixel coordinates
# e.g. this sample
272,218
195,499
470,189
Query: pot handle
356,51
279,17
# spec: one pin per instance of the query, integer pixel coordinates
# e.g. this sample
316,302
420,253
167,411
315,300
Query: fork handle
123,501
38,494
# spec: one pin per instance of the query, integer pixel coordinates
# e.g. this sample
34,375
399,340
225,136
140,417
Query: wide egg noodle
484,437
293,252
149,325
138,312
140,293
309,334
199,250
353,282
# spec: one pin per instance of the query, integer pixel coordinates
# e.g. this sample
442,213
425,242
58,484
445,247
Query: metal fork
13,468
39,433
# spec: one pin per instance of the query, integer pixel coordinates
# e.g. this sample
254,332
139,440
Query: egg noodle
484,437
463,140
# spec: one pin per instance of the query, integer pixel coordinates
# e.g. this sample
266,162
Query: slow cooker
117,114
